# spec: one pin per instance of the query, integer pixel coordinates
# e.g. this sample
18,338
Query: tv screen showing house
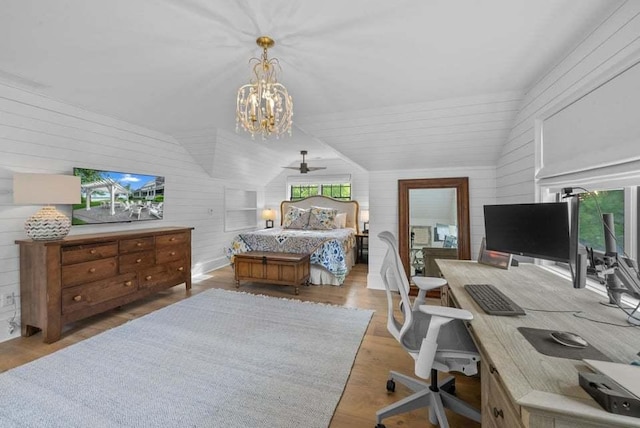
118,197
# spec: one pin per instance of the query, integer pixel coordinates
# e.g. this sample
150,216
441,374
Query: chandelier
264,105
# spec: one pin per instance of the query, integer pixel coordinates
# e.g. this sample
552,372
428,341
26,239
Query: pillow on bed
296,218
322,218
341,220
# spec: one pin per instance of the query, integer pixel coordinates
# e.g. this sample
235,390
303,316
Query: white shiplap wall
383,199
41,135
615,40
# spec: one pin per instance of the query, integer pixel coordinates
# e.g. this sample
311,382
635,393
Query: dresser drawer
89,271
171,253
137,244
172,239
84,253
135,261
87,295
169,274
497,409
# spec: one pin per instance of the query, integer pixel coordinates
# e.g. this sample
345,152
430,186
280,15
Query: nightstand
362,248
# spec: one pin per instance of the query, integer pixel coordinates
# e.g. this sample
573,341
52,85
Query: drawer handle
498,413
92,270
77,298
148,277
139,244
138,260
128,283
172,239
180,269
173,253
92,252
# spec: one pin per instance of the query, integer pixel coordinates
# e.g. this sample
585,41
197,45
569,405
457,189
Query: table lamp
364,216
269,215
49,189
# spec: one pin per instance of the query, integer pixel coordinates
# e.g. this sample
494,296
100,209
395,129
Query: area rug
217,359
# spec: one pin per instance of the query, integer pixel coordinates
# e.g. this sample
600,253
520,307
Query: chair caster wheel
380,426
391,386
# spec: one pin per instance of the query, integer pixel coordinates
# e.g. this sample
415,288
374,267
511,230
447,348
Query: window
592,206
338,191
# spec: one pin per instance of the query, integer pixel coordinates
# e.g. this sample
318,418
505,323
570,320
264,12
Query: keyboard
492,301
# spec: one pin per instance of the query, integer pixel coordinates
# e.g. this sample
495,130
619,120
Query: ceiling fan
304,168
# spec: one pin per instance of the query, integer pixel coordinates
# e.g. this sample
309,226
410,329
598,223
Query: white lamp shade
268,214
45,189
364,216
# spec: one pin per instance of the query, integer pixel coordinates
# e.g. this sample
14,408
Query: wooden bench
272,268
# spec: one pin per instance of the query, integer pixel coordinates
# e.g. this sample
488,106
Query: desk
520,386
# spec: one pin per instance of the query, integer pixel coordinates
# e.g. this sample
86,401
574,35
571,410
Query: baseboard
209,265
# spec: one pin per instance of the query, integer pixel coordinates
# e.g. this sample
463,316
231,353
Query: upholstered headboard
350,207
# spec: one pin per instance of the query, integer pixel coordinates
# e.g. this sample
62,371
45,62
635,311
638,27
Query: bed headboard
350,207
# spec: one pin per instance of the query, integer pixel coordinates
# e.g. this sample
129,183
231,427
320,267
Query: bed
332,249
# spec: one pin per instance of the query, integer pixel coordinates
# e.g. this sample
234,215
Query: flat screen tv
118,197
533,230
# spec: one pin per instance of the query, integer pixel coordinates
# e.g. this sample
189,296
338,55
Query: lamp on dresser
46,189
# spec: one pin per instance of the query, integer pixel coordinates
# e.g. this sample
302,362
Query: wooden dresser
66,280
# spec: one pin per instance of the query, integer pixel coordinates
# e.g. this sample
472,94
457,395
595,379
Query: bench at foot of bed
272,268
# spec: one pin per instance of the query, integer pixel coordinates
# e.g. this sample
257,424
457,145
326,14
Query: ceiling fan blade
291,167
315,168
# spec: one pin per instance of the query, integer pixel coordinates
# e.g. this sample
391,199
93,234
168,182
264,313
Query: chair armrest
446,312
428,282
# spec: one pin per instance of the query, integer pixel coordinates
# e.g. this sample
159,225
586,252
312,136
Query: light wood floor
365,391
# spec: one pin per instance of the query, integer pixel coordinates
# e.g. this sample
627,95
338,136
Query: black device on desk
492,300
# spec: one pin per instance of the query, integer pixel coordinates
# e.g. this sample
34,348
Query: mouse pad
542,341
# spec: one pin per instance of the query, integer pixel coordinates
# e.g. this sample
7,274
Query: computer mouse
569,339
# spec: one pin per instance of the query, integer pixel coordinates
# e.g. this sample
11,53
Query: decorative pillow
322,218
341,220
296,218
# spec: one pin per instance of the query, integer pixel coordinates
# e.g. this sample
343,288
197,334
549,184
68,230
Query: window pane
337,191
591,226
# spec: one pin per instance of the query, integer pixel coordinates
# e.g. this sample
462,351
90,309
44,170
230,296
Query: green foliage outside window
337,191
591,227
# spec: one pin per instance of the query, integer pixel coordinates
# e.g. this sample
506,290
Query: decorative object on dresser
66,280
273,268
48,223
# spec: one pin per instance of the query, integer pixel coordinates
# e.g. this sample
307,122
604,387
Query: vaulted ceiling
385,85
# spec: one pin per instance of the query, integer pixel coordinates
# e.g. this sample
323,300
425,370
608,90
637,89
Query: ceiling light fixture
264,105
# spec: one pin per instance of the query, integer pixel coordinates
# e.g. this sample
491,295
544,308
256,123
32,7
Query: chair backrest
395,279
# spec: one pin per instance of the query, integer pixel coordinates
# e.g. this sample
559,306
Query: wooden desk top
532,379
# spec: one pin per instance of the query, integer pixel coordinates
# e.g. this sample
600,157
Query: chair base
424,396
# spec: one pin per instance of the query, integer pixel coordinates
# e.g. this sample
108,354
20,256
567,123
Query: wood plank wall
40,135
614,40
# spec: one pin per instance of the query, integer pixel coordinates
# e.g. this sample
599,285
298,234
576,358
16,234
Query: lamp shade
45,189
268,214
364,216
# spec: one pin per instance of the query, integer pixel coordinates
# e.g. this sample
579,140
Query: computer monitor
534,230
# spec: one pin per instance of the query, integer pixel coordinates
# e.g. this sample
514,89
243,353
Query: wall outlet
7,300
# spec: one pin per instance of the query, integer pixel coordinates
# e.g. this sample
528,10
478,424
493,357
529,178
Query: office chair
437,340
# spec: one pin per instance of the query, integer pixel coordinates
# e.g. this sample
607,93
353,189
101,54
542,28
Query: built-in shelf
240,209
